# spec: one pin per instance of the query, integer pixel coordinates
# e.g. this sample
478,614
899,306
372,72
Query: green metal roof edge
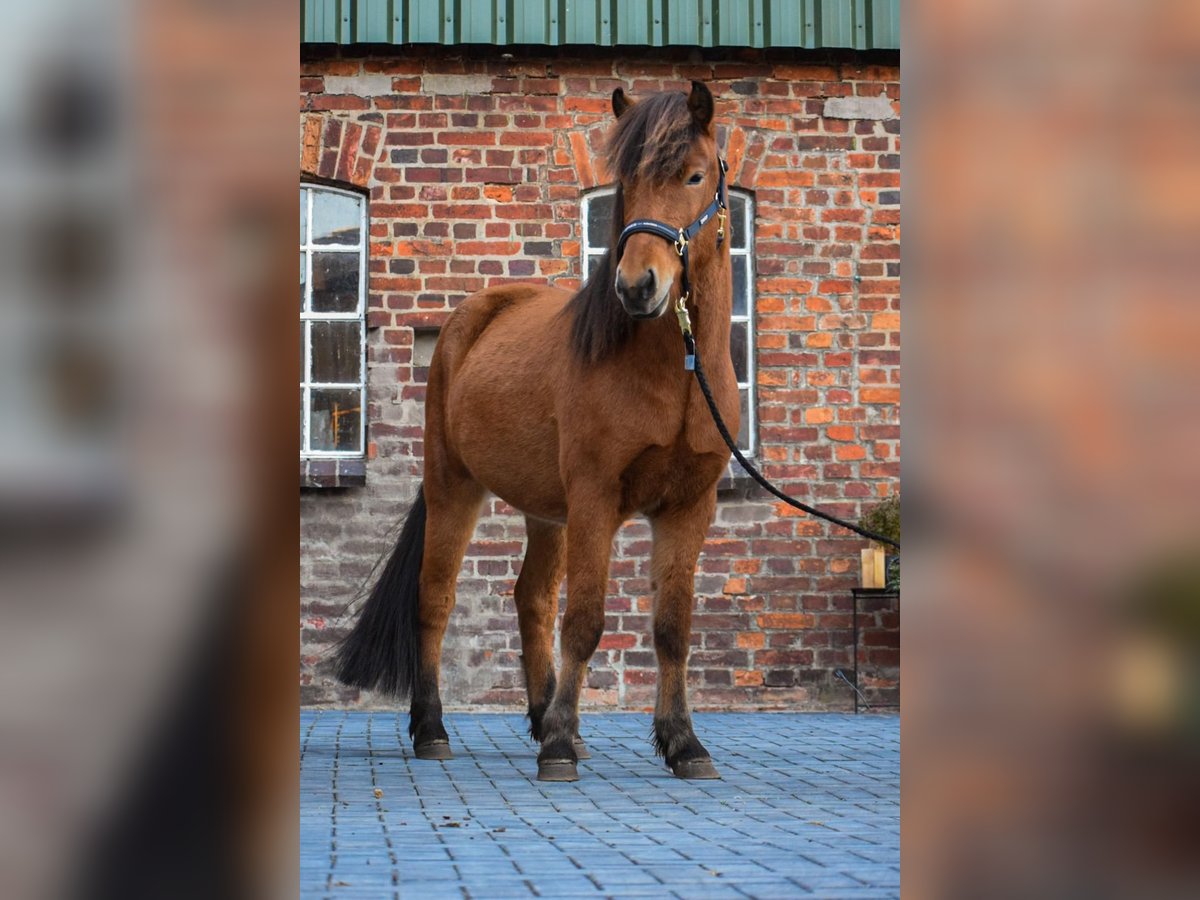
808,24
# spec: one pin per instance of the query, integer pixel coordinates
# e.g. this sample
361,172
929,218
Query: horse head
663,153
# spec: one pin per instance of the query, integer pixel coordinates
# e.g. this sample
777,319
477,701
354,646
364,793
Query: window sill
333,473
736,482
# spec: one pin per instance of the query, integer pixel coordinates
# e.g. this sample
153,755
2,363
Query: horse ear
700,102
620,102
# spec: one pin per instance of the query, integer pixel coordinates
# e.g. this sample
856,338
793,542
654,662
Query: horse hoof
557,770
695,769
581,750
433,750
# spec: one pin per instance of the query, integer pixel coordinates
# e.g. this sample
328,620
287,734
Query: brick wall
475,165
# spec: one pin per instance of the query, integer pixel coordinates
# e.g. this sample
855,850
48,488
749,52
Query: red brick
311,145
495,175
618,641
785,178
522,138
348,157
488,248
880,395
791,621
459,138
735,586
751,640
885,321
583,161
338,101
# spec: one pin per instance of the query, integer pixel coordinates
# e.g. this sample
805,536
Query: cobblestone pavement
809,805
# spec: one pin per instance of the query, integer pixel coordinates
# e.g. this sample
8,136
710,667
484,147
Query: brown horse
577,411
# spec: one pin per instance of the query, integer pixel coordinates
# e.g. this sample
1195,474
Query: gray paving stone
809,806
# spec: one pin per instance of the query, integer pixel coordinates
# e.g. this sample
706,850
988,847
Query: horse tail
382,650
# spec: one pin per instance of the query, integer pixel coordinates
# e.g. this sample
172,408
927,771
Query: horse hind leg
678,538
453,508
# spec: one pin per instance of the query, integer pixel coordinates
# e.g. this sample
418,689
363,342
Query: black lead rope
693,362
681,237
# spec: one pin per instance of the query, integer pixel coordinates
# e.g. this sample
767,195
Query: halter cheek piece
680,238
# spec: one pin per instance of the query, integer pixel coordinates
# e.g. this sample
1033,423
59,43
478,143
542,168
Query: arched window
333,280
596,217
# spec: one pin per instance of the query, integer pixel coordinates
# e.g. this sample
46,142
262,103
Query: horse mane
651,140
599,325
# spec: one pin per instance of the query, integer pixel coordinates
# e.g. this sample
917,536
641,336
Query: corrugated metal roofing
859,24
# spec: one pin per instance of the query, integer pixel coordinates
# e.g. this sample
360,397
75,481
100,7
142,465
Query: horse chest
663,476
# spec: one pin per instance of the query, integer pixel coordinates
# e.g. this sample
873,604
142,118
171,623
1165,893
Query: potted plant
884,518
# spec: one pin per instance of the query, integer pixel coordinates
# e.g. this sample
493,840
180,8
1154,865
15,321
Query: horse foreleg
590,530
678,538
536,596
453,508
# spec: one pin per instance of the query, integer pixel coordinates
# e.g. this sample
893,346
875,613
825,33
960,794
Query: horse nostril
639,292
642,289
646,285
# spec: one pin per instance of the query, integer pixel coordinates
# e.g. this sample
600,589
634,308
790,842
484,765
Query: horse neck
711,303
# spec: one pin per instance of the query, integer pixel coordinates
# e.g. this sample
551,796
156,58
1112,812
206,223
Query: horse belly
504,430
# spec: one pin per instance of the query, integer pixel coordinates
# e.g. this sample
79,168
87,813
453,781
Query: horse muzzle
644,299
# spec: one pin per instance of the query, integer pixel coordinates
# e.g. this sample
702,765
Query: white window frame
588,251
307,316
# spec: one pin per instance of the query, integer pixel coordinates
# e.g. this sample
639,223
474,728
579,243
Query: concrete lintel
456,84
369,85
859,108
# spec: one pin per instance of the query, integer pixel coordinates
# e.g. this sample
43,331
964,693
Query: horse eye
697,178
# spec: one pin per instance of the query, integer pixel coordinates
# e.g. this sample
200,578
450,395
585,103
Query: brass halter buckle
721,224
681,313
681,243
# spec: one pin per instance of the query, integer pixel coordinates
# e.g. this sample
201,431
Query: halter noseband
681,236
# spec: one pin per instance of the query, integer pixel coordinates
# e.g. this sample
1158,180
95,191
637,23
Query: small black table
871,593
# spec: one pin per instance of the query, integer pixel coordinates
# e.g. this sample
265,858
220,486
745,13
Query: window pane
741,265
336,422
337,218
739,350
593,263
336,351
303,275
599,221
743,439
302,447
303,336
335,282
737,219
303,215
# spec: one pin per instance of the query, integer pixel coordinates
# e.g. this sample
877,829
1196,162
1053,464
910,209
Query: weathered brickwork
475,166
